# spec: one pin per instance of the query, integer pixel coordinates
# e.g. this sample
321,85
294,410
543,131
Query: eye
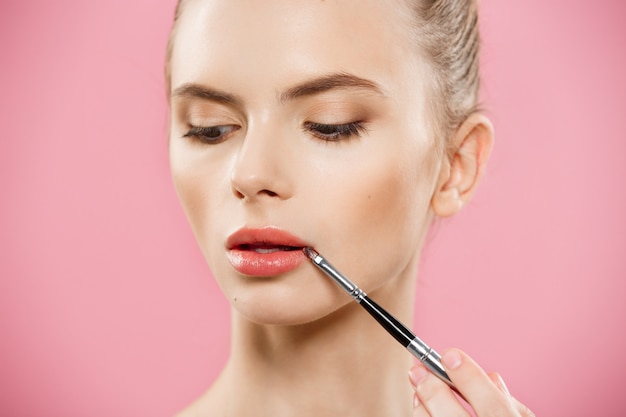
335,132
210,134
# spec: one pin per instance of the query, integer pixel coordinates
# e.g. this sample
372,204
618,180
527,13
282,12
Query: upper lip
266,236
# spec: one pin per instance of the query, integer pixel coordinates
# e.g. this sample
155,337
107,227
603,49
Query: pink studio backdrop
107,308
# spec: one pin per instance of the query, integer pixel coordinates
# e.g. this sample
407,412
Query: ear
460,173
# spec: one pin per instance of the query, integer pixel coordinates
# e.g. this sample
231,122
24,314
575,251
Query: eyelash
332,133
206,134
329,132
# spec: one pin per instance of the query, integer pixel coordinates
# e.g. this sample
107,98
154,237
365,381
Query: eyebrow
330,82
192,90
308,88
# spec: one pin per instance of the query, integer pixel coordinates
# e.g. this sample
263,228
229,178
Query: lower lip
249,262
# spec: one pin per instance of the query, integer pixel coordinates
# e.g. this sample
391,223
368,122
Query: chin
282,307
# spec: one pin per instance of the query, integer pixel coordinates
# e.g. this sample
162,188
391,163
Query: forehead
282,40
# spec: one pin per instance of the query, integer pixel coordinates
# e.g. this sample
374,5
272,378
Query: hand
486,393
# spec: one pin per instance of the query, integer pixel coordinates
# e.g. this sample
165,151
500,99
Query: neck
343,364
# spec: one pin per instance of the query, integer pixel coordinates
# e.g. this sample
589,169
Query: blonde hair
447,32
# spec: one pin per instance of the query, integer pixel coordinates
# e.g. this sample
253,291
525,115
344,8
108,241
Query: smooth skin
313,117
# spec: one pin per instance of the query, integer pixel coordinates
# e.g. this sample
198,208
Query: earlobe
460,173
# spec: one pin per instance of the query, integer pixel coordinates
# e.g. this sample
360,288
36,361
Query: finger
486,397
521,408
418,408
497,379
433,395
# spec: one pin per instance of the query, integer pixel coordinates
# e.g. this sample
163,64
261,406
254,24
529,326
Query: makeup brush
419,349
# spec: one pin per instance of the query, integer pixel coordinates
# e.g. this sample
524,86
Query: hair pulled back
447,32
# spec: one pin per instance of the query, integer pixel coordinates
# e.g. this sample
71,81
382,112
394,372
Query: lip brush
419,349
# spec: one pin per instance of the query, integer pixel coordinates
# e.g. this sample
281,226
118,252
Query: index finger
475,385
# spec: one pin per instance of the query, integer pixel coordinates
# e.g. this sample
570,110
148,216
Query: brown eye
332,132
210,134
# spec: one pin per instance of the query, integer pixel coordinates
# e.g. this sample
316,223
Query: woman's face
301,123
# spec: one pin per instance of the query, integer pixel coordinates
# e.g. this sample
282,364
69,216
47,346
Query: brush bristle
310,252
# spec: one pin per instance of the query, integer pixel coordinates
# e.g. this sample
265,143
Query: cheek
388,204
199,182
381,214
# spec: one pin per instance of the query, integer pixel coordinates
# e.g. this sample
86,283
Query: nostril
241,195
269,193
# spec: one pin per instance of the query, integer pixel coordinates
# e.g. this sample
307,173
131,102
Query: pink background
107,308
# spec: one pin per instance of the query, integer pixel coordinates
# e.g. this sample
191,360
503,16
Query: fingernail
416,400
451,359
416,374
503,385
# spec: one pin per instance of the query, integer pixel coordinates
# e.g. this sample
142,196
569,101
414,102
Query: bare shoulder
200,408
192,410
204,406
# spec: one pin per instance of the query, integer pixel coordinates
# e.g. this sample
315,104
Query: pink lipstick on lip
264,252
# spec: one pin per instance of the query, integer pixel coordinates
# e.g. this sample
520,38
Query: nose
260,170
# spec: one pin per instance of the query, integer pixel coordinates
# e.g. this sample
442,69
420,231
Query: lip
264,251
